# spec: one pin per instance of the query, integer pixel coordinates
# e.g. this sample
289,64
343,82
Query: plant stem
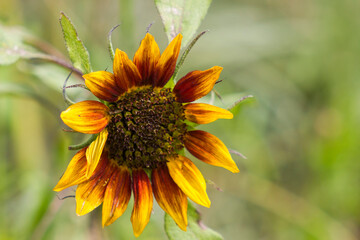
62,63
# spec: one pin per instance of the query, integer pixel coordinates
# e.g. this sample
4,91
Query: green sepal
110,46
84,144
67,100
172,81
191,125
235,107
185,53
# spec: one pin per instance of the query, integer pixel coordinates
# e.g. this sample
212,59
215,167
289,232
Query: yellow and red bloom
141,129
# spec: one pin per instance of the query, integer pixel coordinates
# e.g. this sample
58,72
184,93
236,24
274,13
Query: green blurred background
301,61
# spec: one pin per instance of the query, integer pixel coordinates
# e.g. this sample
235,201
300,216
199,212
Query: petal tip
179,36
104,222
206,202
148,35
234,169
88,174
183,227
217,68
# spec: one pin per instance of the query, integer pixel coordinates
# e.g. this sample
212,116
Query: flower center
146,126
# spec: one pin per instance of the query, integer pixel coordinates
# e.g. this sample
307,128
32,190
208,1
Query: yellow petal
102,84
126,73
189,178
143,201
86,117
166,65
196,84
169,196
94,152
146,58
75,172
209,149
90,194
117,196
202,113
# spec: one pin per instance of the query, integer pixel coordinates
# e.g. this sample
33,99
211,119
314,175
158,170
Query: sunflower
142,127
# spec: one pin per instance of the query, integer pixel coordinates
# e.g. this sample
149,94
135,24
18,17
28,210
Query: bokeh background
301,135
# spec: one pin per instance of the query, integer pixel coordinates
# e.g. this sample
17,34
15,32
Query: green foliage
77,51
182,16
196,230
18,90
13,45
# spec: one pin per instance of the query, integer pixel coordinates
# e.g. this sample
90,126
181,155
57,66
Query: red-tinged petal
86,117
196,84
94,151
209,149
90,194
102,84
126,73
75,172
202,113
143,201
117,196
189,178
169,196
146,58
166,65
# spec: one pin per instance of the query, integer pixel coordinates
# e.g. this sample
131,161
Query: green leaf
182,16
13,46
78,53
196,230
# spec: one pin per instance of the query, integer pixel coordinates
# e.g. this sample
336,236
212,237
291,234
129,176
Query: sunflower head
146,127
141,128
